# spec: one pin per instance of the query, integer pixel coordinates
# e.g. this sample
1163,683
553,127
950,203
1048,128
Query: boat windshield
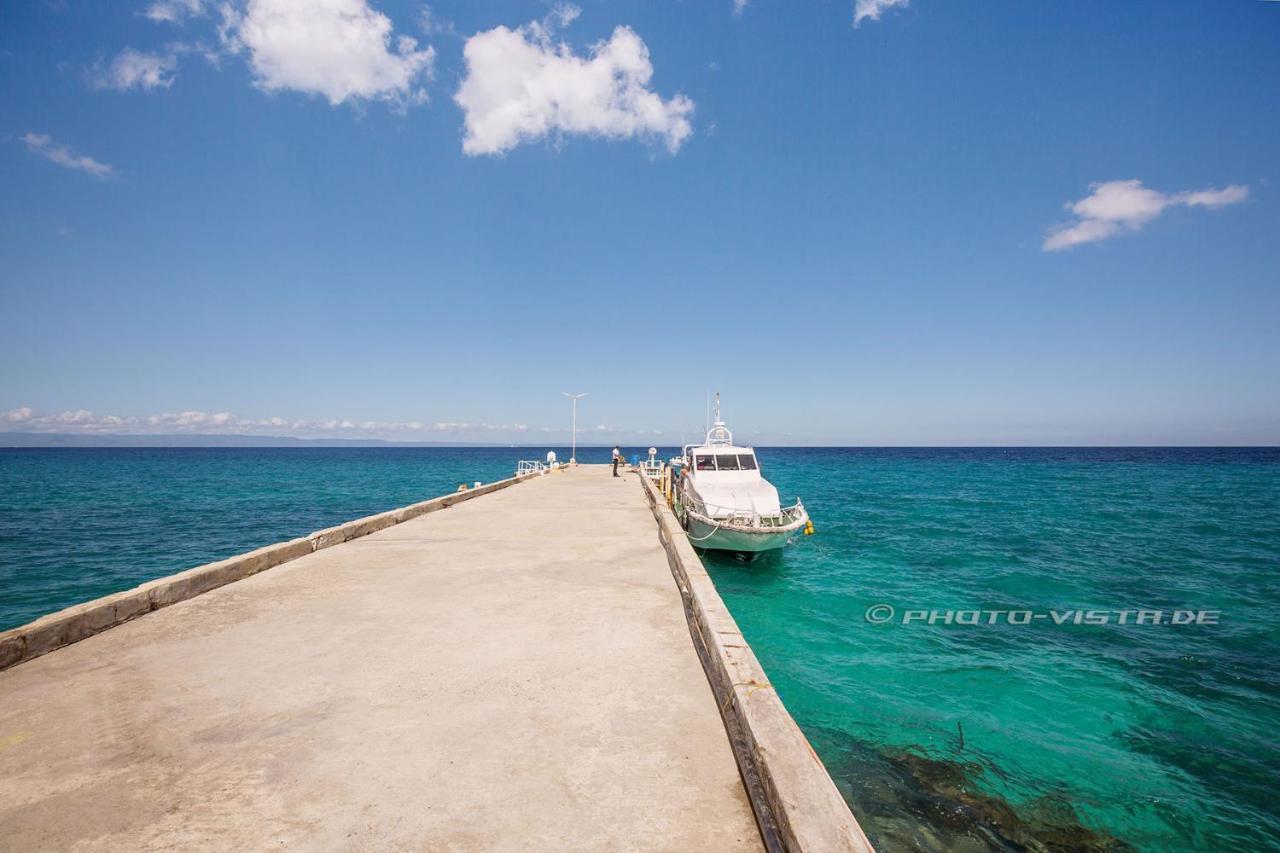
725,462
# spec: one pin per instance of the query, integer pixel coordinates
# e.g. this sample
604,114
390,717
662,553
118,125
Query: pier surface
514,672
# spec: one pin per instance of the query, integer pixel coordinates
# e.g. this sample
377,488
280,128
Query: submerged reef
909,800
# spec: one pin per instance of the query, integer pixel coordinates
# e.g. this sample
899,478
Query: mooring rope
715,528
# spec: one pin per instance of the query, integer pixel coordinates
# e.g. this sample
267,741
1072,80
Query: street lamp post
573,454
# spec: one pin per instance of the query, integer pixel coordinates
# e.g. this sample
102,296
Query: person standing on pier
617,457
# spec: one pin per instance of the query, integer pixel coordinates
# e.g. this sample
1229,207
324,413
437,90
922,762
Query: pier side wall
84,620
797,806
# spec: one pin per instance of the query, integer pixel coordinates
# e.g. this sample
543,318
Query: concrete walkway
511,673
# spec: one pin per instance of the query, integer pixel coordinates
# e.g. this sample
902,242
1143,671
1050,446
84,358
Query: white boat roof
726,492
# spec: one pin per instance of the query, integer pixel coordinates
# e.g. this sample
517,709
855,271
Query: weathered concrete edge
797,806
80,621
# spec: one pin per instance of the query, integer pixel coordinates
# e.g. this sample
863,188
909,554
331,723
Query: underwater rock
908,800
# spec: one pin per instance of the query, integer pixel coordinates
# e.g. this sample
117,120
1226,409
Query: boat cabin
726,477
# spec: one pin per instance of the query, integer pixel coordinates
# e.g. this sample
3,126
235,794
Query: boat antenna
718,407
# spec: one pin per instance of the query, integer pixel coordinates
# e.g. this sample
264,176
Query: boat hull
719,538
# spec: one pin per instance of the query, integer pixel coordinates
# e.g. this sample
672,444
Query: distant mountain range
51,439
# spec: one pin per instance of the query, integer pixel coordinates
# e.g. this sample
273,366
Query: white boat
725,504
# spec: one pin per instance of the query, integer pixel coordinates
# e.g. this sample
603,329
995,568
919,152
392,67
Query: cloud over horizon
84,422
522,86
1118,207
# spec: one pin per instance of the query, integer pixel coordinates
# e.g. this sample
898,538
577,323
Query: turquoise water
1040,735
1002,736
78,523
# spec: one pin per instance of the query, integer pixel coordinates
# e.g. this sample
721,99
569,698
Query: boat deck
512,673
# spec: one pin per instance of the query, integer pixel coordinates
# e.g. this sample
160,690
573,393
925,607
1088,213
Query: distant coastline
62,439
50,439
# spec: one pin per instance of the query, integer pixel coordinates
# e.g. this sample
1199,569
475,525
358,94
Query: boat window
747,461
706,462
727,462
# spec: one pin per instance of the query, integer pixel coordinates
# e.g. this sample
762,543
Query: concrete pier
513,673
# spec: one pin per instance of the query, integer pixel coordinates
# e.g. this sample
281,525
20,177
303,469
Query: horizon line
216,441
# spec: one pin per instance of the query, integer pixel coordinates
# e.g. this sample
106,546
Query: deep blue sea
979,710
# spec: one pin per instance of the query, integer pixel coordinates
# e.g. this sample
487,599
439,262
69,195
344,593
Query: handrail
651,469
700,507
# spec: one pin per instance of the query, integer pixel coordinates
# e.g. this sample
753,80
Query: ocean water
1035,736
78,523
988,736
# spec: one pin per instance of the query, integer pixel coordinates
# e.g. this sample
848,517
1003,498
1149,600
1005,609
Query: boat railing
748,517
651,469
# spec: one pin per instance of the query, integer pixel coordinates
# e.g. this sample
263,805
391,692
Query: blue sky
954,223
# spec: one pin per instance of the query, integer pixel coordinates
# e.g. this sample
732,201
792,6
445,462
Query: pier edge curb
797,805
81,621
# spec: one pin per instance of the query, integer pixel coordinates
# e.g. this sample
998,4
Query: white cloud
1116,207
174,11
739,5
340,49
1214,199
873,9
134,69
84,422
520,86
43,144
432,24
